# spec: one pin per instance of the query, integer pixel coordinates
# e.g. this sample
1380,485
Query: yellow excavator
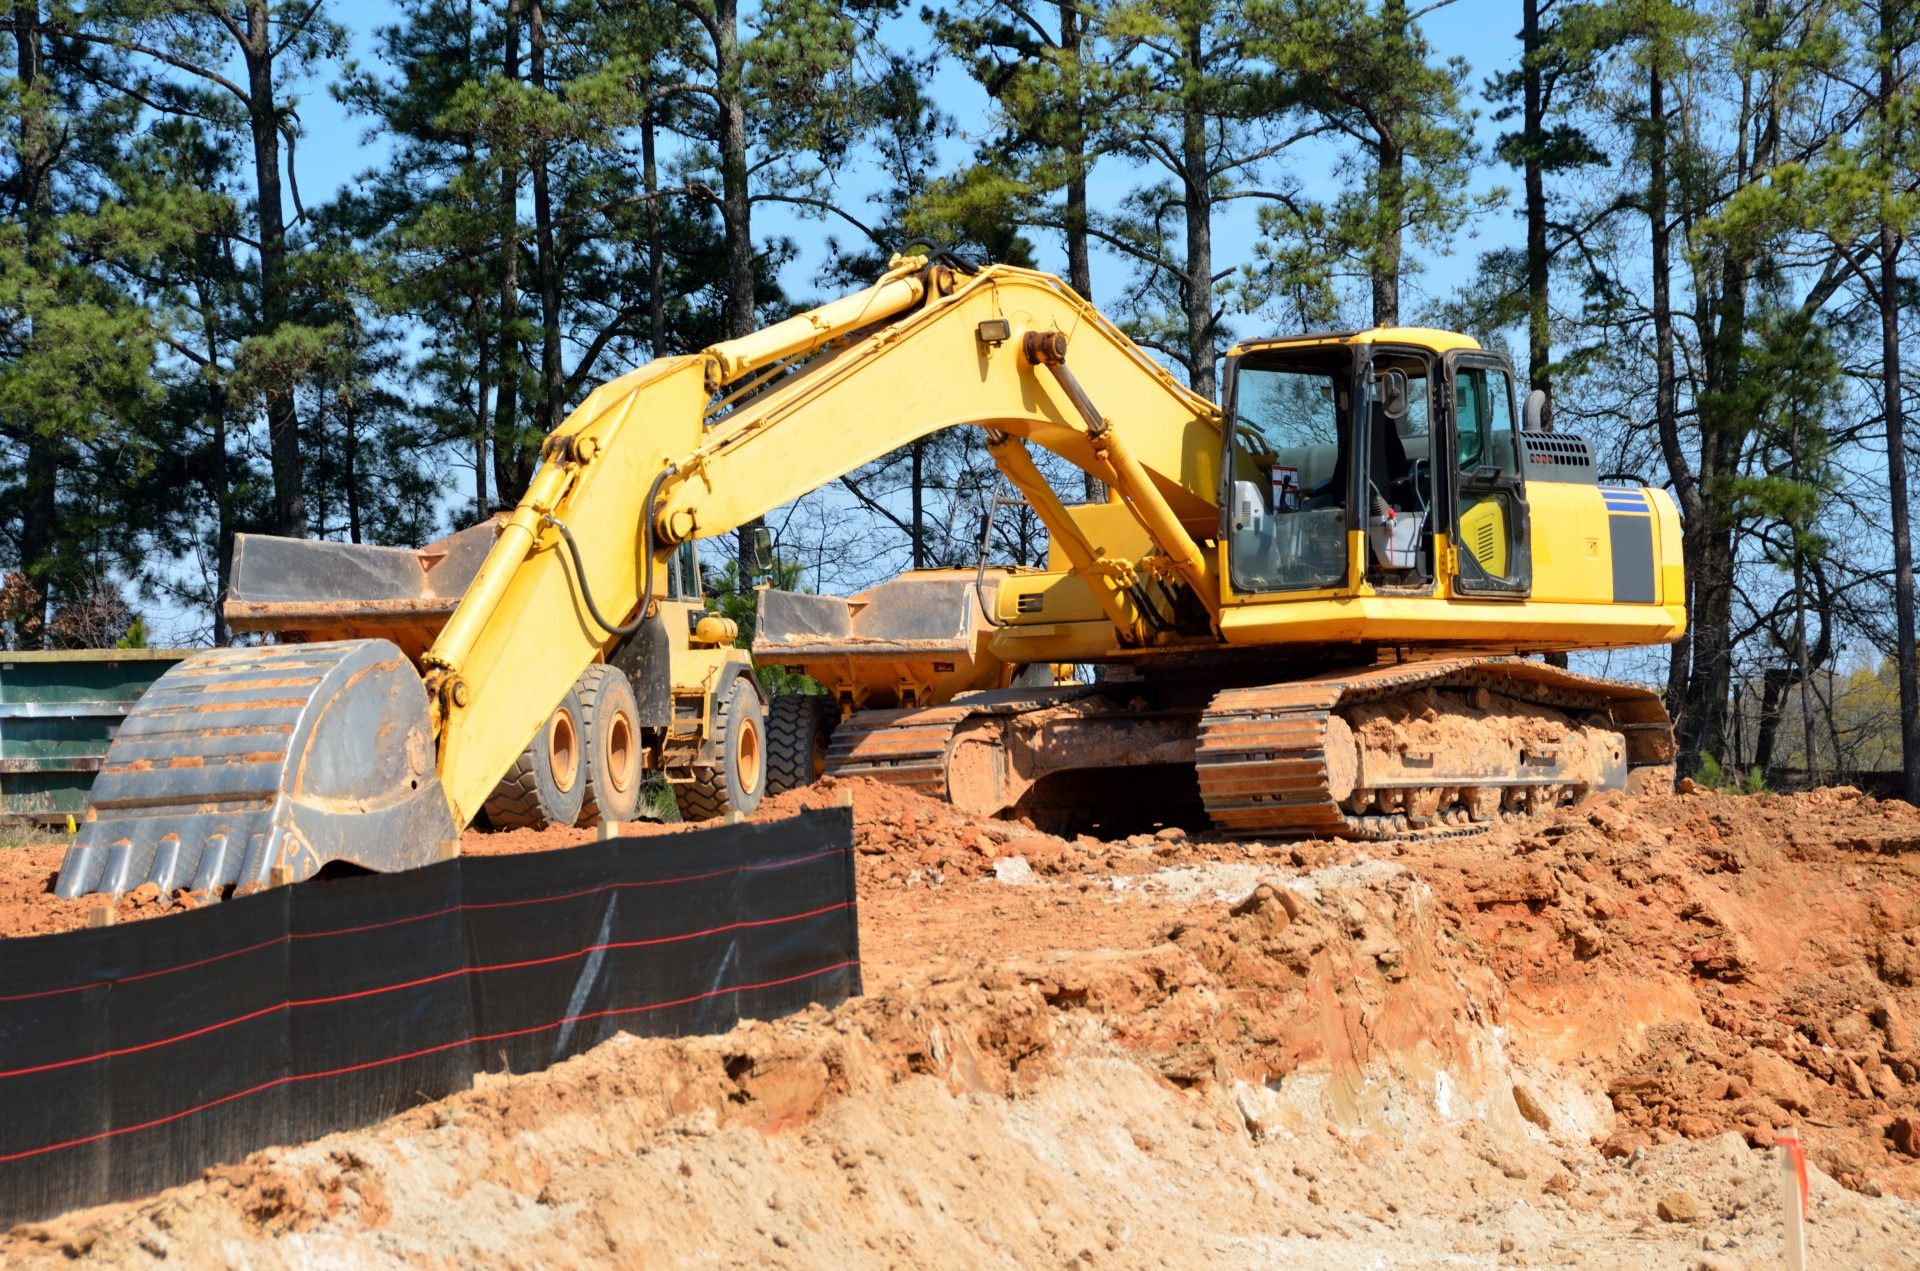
1307,610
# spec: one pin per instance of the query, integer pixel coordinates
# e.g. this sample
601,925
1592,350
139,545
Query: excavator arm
245,766
695,447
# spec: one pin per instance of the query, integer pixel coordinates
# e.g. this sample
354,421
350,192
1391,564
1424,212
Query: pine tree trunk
917,483
481,371
1079,266
480,420
736,208
1900,524
218,478
1079,261
1666,410
1539,348
1903,607
1198,198
552,385
1390,192
350,461
736,212
511,471
656,257
1723,432
283,428
1386,270
41,509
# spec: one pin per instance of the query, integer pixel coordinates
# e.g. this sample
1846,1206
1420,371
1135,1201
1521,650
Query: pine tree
1560,46
184,50
1370,79
1194,105
1040,64
78,228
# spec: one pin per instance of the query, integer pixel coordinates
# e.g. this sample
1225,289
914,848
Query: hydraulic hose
646,553
940,255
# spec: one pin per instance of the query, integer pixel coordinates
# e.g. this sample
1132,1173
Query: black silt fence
132,1057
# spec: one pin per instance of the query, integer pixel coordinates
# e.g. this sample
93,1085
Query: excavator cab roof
1421,337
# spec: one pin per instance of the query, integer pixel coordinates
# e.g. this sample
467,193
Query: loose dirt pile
1558,1042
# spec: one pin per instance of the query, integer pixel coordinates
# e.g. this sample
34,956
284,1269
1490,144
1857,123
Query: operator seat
1388,462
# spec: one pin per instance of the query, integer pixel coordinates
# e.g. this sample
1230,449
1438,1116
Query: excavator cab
1382,458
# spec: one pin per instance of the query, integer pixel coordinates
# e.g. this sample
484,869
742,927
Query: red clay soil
1498,1049
1759,957
1713,963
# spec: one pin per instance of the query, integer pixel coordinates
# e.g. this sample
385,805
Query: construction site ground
1571,1041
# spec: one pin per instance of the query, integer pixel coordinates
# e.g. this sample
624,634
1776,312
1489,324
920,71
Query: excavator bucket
259,765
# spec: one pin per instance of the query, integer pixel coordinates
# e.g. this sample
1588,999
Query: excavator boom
683,447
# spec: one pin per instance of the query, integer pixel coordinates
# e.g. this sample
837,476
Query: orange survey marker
1793,1198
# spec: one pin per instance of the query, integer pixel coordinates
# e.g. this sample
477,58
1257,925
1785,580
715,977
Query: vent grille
1483,544
1557,449
1031,602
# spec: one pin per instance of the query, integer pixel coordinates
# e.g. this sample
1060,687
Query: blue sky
336,149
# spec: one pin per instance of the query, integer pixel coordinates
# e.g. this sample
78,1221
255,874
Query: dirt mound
1542,1042
1723,963
28,906
1149,1053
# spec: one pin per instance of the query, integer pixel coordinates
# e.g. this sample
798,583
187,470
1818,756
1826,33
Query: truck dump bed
917,639
312,591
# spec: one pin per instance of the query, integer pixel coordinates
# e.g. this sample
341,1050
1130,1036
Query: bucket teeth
238,762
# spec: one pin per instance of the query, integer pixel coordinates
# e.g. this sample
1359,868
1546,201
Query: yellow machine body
1375,495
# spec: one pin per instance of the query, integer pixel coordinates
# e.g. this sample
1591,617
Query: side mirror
1535,413
761,549
1392,389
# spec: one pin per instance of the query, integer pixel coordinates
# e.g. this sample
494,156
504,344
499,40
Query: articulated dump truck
1309,609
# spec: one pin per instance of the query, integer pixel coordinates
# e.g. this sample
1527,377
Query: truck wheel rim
563,750
622,755
747,756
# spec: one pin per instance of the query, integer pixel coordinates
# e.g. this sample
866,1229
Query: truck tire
739,776
610,745
798,729
546,784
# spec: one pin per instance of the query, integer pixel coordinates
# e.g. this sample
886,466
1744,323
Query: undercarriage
1380,752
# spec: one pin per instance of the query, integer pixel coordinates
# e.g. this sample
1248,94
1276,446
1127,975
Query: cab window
1490,521
1287,515
683,573
1483,414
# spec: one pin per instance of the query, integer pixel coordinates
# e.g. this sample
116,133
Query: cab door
1488,524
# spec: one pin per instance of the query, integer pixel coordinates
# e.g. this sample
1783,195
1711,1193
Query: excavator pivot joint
1044,348
674,526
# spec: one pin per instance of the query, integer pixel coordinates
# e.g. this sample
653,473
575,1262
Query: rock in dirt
1531,1107
1680,1207
1905,1133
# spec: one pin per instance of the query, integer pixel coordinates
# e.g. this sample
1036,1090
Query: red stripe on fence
148,975
422,1053
401,922
414,983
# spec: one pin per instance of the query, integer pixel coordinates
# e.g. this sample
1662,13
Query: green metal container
58,712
